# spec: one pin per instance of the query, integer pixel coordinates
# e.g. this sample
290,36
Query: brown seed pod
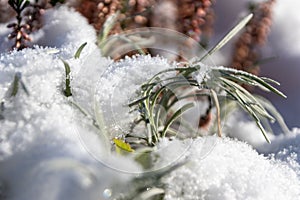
246,53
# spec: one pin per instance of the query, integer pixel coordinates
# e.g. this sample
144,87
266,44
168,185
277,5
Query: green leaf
79,50
245,102
121,145
271,108
135,102
14,88
24,87
263,131
67,90
261,82
176,115
15,85
227,37
247,98
23,4
2,108
106,28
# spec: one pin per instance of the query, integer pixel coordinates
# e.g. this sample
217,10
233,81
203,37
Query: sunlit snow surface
232,170
42,155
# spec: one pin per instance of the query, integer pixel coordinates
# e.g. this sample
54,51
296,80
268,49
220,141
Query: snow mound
118,87
43,151
55,167
40,149
63,28
285,147
232,170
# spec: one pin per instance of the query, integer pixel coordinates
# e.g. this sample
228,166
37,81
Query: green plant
13,91
158,94
67,90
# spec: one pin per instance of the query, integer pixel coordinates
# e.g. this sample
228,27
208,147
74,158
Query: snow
43,149
231,170
50,150
202,75
117,85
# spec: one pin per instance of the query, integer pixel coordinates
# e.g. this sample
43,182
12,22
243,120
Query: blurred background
282,45
268,46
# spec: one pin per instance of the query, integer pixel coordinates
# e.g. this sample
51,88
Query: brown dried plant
97,11
246,54
29,19
196,18
20,28
191,17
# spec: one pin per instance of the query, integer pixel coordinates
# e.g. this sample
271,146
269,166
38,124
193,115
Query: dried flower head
196,18
246,54
191,17
20,28
29,19
97,11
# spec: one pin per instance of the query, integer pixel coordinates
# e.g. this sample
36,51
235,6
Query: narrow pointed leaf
176,115
228,36
67,90
15,85
78,52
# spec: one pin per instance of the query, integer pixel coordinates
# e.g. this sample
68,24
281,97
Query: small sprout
13,91
78,52
67,90
2,108
15,86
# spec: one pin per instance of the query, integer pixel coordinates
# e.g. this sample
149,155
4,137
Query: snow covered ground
50,150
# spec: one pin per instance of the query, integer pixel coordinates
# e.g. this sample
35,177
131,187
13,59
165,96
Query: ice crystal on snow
232,170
